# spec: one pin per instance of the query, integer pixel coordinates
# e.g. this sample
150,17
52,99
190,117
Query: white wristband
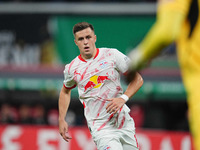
125,97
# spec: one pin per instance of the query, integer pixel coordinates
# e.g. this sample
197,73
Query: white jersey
98,79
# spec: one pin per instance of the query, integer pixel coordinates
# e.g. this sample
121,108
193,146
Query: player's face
85,40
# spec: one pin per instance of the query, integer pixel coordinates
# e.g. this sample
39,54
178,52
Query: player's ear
95,38
75,41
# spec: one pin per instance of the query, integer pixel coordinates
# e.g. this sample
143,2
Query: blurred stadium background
36,42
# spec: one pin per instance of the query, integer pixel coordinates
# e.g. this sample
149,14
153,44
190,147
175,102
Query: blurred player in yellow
179,21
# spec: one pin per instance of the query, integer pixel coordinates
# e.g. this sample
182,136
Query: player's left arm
122,63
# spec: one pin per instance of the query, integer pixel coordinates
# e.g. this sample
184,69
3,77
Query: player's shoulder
69,66
107,50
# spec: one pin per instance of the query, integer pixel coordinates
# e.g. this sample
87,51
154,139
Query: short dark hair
81,26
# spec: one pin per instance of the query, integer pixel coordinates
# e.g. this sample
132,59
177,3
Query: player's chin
130,75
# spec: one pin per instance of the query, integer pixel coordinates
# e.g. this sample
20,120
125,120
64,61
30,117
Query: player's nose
85,41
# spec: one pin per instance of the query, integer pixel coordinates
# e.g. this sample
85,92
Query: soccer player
179,21
96,73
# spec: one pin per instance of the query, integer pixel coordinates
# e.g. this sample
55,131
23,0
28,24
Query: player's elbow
140,80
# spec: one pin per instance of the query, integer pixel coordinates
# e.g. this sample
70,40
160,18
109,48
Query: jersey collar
93,58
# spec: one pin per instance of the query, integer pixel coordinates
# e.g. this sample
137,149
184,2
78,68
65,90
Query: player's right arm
63,105
64,101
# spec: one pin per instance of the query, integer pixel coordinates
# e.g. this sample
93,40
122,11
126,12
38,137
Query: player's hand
63,129
115,105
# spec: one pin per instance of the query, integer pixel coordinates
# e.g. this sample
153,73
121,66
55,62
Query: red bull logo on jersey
95,82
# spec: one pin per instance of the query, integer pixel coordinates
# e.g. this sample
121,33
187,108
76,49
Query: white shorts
118,140
115,136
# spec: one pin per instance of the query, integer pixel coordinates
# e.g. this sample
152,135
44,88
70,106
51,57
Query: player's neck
90,57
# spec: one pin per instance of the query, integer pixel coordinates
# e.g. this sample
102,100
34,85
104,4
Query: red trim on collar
97,53
79,56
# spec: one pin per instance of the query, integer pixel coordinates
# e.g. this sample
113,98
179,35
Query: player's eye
80,39
88,37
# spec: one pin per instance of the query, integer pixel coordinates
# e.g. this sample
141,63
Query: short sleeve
68,82
122,61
